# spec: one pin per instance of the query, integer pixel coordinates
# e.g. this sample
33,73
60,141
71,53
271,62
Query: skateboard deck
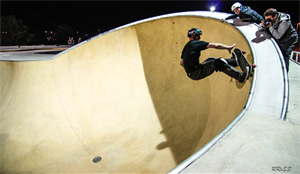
243,62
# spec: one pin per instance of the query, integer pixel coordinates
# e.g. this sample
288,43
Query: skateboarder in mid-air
196,71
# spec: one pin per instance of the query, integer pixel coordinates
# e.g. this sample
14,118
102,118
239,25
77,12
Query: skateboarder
196,71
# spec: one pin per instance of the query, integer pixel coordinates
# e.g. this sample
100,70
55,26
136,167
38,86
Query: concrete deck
29,53
57,115
258,143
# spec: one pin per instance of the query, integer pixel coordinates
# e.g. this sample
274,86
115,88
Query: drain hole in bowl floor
97,159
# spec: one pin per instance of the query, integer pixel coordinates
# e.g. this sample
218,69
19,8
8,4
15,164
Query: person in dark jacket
282,31
245,14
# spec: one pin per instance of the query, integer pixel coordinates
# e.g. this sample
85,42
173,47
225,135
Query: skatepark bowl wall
122,97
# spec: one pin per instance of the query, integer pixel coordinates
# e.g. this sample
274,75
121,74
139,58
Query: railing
295,57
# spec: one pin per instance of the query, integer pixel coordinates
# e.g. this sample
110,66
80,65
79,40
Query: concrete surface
258,143
32,55
268,93
124,97
31,47
293,115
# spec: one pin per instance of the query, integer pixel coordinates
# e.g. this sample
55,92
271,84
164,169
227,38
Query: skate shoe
244,75
233,61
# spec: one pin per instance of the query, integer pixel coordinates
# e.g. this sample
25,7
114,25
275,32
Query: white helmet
236,5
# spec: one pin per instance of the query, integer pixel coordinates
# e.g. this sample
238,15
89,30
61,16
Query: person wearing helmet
245,14
196,71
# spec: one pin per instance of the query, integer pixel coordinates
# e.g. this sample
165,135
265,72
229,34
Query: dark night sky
87,16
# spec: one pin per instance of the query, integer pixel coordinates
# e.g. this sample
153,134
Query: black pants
207,67
286,50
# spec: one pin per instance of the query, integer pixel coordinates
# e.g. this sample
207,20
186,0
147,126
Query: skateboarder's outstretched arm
220,46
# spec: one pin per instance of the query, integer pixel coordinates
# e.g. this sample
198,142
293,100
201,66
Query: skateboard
243,62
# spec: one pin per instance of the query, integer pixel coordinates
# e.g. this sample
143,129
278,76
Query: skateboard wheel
253,66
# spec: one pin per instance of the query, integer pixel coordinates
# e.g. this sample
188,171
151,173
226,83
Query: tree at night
14,32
